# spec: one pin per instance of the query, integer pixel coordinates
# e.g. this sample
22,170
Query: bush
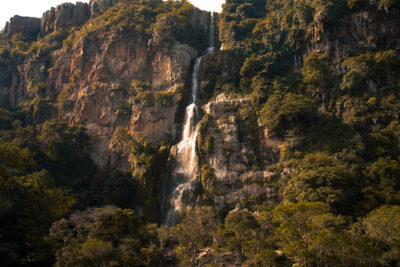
281,113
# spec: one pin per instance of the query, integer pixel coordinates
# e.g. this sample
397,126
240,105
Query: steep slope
289,154
90,79
296,78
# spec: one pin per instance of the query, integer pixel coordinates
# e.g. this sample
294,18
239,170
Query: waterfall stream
185,174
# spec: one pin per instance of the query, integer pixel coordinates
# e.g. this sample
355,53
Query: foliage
107,236
144,158
239,231
317,71
194,232
29,203
323,178
336,124
280,113
163,22
305,229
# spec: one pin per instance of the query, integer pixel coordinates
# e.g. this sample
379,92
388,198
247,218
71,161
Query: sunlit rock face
98,6
91,80
68,14
231,162
64,15
102,97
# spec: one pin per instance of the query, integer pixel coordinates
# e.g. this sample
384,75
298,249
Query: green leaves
304,230
106,237
321,177
279,113
318,75
29,203
193,233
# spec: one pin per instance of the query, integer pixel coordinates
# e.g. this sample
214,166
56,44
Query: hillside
152,133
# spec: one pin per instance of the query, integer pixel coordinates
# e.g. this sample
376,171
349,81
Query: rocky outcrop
99,6
64,15
211,257
95,79
229,153
373,29
68,14
29,27
88,76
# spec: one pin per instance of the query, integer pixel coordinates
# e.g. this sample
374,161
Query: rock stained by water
185,175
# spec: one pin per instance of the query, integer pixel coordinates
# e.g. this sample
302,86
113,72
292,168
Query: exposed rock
101,97
29,27
99,6
210,257
64,15
369,30
233,160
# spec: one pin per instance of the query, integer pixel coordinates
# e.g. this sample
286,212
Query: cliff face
232,155
234,171
68,14
101,96
89,77
65,15
27,26
361,31
108,69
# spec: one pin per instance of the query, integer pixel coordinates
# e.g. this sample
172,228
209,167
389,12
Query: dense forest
320,80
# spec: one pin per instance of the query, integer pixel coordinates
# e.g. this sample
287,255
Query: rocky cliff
348,34
102,98
64,15
248,153
27,26
232,160
89,77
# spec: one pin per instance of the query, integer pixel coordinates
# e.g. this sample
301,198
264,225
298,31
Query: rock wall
68,14
90,80
374,29
64,15
230,155
99,6
29,27
95,80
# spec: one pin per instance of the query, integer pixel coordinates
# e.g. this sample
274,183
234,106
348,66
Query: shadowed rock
29,27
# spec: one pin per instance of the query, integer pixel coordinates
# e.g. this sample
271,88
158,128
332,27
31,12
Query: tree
240,232
105,237
308,233
194,232
120,190
320,177
282,113
29,204
318,76
381,232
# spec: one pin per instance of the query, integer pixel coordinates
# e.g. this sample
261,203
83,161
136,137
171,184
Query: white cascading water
186,171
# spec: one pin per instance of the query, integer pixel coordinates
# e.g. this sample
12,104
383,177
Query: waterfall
211,37
185,174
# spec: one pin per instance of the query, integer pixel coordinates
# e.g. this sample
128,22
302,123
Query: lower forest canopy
321,85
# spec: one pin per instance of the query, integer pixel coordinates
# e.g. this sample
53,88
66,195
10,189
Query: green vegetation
148,164
332,111
158,99
164,22
105,237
